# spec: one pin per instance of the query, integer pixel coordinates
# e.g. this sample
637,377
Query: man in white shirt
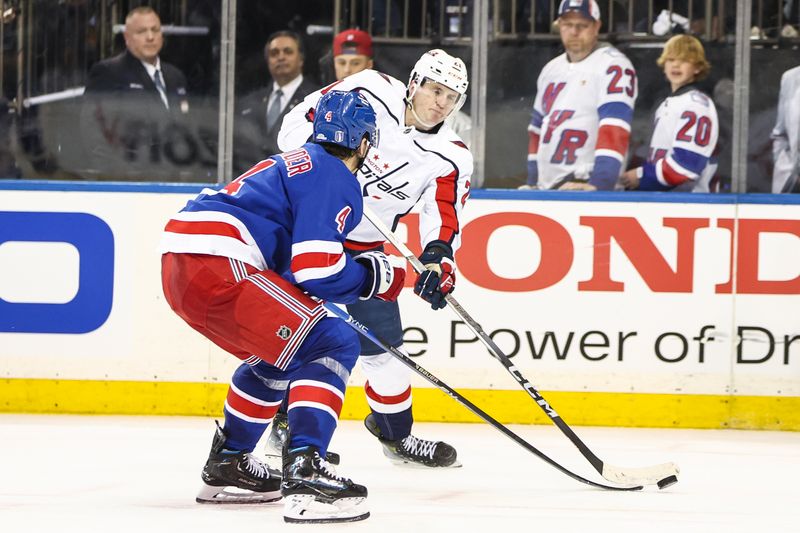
786,134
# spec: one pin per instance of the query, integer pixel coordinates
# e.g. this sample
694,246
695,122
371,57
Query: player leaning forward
420,159
240,266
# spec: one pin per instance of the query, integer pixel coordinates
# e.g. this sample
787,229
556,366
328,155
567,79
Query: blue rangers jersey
289,214
581,120
407,167
685,133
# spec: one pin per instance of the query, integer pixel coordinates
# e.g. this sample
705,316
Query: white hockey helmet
439,66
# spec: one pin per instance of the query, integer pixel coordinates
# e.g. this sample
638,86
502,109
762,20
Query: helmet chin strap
421,122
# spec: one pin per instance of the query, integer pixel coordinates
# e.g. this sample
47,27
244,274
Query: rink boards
622,309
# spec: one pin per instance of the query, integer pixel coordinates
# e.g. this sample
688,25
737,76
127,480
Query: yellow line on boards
430,405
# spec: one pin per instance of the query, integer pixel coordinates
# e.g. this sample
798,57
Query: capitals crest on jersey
409,166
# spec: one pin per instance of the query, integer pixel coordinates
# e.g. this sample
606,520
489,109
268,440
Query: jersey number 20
702,134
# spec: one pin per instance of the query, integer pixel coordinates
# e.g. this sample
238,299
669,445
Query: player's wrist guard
384,280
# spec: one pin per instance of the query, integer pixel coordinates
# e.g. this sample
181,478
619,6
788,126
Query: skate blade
405,463
305,509
273,462
230,495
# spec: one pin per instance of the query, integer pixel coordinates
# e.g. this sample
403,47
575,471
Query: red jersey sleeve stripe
314,260
533,143
446,201
204,228
671,176
613,138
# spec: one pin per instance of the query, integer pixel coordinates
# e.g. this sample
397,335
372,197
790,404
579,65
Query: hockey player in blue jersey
246,266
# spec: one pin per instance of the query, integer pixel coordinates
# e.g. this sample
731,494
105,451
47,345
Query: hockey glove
387,280
439,278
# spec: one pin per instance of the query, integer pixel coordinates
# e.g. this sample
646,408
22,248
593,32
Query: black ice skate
314,493
279,436
236,477
412,451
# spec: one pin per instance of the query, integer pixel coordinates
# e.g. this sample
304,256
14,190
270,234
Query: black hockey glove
439,278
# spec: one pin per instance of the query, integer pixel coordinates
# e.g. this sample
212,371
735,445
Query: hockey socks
250,406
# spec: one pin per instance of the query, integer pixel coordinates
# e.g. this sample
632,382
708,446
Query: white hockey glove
387,279
439,278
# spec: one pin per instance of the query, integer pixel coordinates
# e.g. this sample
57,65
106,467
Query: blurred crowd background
48,48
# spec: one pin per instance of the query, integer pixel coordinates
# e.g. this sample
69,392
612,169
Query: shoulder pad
612,55
450,147
700,98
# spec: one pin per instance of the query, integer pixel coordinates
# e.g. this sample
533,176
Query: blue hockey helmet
344,118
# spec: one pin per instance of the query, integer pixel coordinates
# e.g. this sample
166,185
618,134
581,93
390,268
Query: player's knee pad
386,374
348,347
332,338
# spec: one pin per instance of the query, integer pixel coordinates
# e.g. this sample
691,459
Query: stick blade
648,475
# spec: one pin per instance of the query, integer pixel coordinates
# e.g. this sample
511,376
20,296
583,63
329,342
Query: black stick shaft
363,330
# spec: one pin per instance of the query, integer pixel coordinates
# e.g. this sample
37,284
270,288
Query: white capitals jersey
407,166
580,125
685,134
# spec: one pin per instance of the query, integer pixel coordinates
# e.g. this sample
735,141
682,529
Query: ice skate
314,493
412,451
279,436
236,477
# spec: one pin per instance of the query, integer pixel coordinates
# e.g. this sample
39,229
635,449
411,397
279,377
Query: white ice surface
140,474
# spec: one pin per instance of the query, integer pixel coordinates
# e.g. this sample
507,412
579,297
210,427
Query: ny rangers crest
284,332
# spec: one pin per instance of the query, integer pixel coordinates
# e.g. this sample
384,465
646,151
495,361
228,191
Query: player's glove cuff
385,281
439,278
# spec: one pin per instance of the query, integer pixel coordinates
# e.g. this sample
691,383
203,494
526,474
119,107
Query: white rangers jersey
685,133
407,166
580,125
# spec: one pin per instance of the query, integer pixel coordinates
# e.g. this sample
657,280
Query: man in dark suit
260,113
134,104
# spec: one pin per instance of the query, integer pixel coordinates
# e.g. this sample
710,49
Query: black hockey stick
663,475
444,387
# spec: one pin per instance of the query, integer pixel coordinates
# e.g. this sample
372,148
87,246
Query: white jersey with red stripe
580,125
289,214
685,134
408,165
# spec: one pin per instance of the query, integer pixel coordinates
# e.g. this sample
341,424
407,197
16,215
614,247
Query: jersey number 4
233,187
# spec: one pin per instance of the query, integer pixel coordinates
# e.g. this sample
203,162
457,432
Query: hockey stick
444,387
662,475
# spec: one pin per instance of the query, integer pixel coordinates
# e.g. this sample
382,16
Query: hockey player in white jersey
581,120
420,159
685,126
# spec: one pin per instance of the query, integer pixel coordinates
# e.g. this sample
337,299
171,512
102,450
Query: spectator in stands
785,135
8,167
686,126
259,114
129,102
580,125
352,52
